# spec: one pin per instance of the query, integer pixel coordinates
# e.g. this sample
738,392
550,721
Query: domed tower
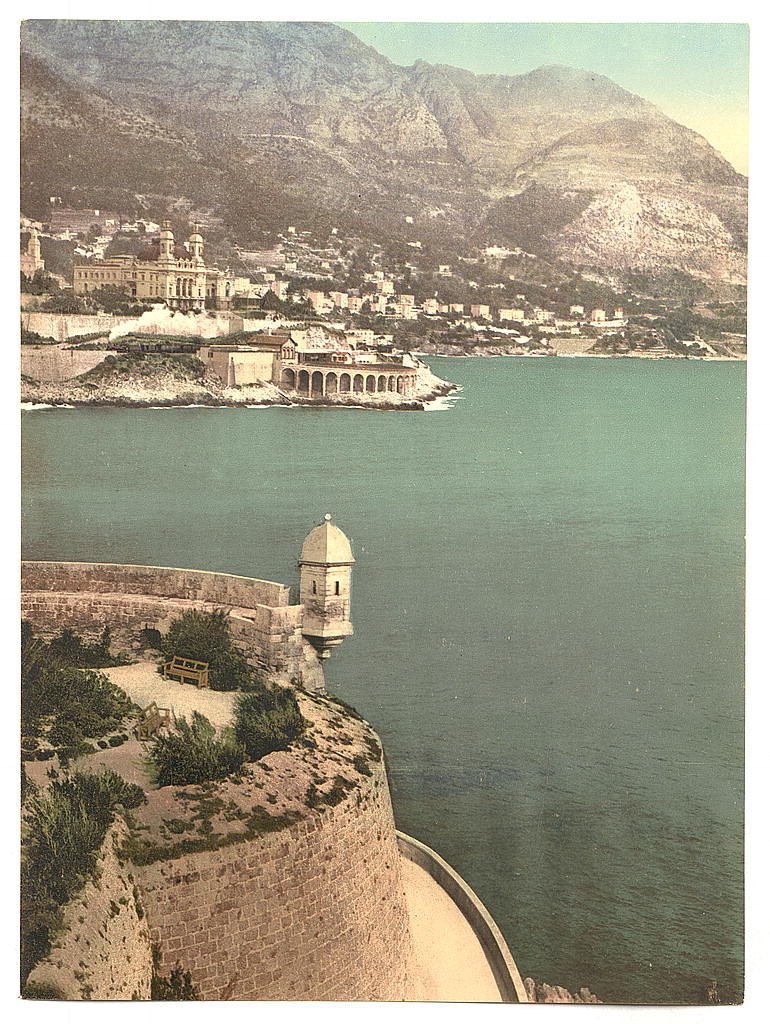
195,244
166,242
324,587
33,247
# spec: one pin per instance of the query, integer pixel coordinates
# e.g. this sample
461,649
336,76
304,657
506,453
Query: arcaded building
278,359
164,271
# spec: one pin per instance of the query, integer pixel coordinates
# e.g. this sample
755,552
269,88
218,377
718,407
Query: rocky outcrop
540,992
167,389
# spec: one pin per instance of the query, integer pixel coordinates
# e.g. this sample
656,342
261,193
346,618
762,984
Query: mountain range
261,124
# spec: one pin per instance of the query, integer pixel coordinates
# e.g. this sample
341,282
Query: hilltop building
511,314
163,271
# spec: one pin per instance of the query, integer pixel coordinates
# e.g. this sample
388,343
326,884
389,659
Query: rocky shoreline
541,992
164,390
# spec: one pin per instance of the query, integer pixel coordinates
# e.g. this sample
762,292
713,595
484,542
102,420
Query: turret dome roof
327,544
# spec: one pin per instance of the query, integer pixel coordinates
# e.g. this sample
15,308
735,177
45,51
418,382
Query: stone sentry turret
324,587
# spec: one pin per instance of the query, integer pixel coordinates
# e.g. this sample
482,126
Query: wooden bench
150,720
185,670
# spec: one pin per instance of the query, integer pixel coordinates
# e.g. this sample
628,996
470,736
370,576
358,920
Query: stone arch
331,383
391,383
344,382
400,385
289,379
371,383
317,383
358,383
303,382
382,383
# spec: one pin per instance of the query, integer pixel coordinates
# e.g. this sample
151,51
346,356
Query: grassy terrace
266,757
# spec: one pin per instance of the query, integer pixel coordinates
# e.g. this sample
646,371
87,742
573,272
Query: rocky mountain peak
308,112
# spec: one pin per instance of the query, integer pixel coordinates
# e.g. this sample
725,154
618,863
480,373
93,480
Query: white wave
39,406
443,403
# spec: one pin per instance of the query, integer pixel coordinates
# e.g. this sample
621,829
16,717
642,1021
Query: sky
696,73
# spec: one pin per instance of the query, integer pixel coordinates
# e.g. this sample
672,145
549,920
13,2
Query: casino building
161,272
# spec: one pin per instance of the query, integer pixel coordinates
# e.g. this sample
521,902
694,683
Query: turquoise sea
548,603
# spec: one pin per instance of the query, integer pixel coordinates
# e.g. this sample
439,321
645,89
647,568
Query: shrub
205,636
65,734
35,990
338,791
65,302
72,650
267,719
63,830
361,764
178,985
115,741
59,686
192,752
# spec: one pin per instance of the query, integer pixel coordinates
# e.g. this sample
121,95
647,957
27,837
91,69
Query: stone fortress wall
312,909
316,911
86,596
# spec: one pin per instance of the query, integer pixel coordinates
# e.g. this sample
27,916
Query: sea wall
57,363
63,326
86,596
105,950
315,911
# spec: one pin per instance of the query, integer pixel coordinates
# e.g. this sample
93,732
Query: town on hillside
342,300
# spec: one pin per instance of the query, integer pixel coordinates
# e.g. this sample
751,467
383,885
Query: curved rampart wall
315,911
498,955
86,596
160,581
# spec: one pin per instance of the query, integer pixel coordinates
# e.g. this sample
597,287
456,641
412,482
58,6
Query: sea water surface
548,608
